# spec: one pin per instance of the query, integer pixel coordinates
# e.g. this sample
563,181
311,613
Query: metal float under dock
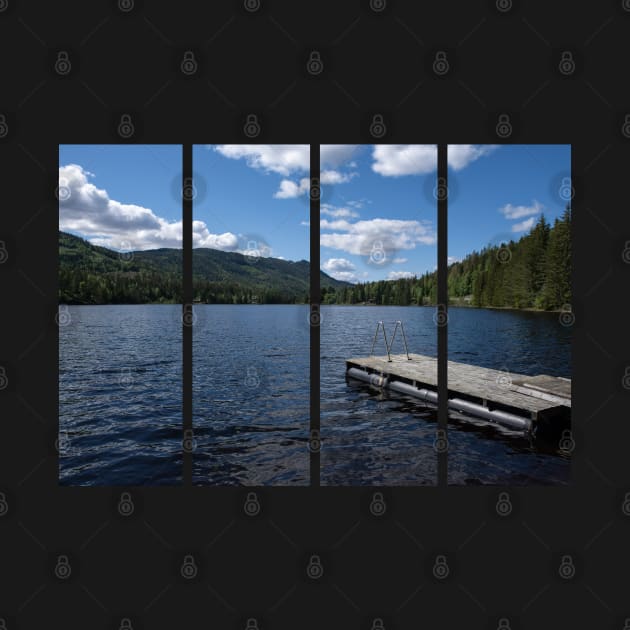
524,403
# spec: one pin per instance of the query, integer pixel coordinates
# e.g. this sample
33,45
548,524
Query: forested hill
96,275
533,272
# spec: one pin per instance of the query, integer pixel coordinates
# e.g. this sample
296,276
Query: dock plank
549,384
532,394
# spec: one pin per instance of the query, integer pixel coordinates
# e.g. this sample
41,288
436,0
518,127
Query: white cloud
524,226
363,237
89,211
336,211
461,155
283,159
338,264
290,159
397,275
340,269
202,237
517,212
399,261
335,177
290,189
395,160
452,259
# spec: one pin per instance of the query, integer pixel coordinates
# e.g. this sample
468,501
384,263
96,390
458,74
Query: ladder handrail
378,325
402,330
388,346
405,340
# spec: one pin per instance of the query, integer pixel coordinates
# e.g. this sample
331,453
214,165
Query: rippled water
370,438
120,398
520,342
120,395
388,439
251,394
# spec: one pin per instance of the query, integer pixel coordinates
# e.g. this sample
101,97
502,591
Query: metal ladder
388,346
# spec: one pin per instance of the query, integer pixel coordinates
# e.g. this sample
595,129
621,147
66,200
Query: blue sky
241,205
378,212
121,196
380,222
500,196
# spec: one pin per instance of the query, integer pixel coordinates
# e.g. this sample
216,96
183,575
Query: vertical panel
378,236
251,321
119,315
510,315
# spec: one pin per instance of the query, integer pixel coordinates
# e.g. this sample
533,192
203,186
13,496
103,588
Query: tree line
222,292
533,272
81,286
85,286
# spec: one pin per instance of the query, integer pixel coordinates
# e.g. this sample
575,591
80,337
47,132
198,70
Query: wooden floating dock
517,401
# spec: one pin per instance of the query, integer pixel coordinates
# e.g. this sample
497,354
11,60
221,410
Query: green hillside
96,275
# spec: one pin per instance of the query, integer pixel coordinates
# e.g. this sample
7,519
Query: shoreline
479,308
178,304
493,308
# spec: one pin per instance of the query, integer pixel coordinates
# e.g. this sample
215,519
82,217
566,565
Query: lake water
251,394
388,439
519,342
120,400
120,395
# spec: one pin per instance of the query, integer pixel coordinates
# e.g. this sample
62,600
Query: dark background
374,62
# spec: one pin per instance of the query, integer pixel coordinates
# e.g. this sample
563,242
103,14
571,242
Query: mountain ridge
92,274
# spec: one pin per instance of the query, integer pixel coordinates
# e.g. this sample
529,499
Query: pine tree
556,291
